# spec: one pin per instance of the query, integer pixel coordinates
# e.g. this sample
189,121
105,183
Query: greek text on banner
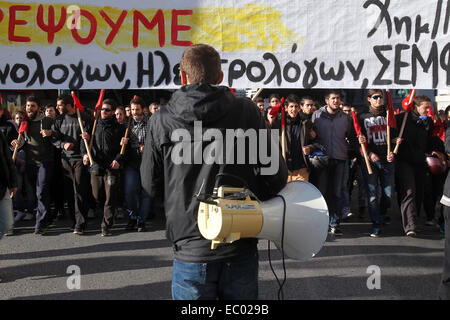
134,44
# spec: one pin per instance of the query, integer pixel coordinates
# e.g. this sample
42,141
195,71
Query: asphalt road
131,265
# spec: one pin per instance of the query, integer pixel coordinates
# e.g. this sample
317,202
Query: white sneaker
19,216
28,217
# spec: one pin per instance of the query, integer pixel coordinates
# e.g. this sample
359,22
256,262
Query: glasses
106,110
377,97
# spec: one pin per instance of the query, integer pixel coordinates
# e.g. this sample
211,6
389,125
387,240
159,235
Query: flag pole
363,148
412,94
16,148
96,115
122,150
86,144
80,122
257,94
388,132
388,129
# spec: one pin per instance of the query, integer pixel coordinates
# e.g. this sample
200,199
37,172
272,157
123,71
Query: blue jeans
137,200
329,181
379,190
40,176
345,194
6,213
234,279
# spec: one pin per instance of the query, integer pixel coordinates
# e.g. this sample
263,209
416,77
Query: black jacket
66,128
417,137
298,132
106,145
8,129
445,200
8,178
215,107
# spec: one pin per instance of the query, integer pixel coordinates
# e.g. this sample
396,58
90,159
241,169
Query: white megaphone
296,220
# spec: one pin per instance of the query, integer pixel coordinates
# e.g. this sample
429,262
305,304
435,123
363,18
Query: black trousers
410,187
76,191
444,287
109,183
434,187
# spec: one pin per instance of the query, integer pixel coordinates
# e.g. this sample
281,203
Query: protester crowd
82,164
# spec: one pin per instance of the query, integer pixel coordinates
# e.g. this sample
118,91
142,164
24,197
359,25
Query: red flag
430,113
98,106
77,103
406,102
276,111
23,124
357,125
391,122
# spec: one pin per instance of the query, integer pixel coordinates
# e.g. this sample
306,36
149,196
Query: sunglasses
106,109
377,97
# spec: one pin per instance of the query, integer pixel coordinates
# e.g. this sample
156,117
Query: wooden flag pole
404,122
257,94
363,148
94,127
16,148
388,132
283,142
122,150
86,144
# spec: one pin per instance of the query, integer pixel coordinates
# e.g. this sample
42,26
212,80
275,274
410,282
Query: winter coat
177,129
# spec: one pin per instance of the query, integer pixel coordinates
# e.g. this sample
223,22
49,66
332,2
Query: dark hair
110,102
50,105
138,100
447,110
371,92
332,91
201,63
421,98
292,98
34,99
66,99
274,95
302,100
18,112
258,99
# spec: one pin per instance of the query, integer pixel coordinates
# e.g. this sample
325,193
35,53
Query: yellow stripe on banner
250,27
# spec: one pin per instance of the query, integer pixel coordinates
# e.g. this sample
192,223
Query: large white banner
263,43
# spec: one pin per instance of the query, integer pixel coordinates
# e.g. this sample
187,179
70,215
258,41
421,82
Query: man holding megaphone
230,271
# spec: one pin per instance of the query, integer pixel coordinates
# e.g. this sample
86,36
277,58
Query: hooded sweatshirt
178,129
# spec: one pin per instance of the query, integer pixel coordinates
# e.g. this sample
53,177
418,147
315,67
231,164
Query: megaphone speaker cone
305,220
